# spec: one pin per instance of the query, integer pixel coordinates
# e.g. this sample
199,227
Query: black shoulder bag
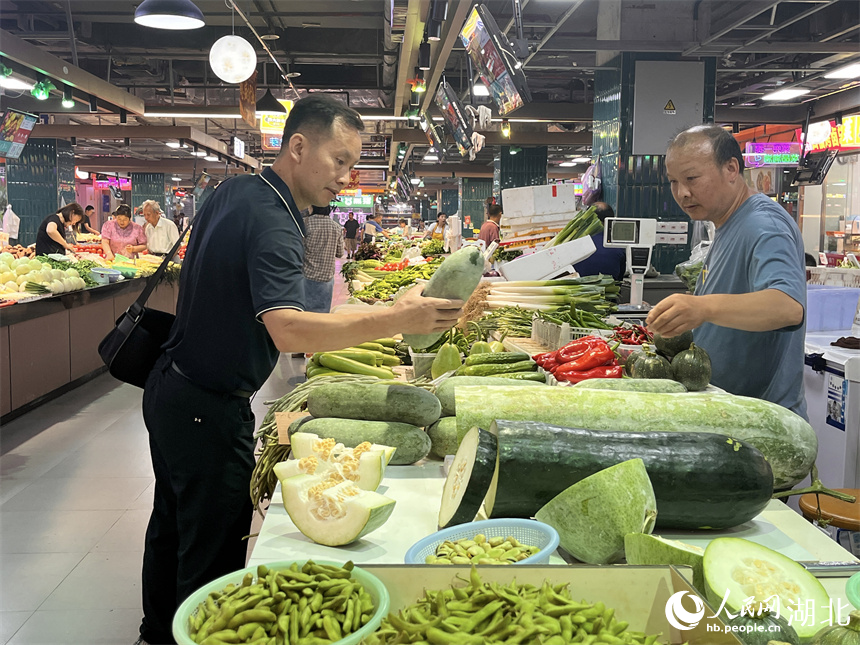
131,349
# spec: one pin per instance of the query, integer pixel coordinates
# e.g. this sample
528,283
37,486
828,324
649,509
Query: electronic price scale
637,237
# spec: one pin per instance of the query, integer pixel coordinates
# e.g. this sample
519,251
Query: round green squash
763,628
631,361
692,368
840,634
674,344
652,366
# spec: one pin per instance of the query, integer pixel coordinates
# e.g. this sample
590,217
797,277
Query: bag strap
136,307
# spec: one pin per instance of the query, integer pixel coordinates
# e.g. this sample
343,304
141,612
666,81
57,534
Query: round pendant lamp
233,59
169,14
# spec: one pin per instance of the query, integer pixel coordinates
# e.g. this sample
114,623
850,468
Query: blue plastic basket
530,532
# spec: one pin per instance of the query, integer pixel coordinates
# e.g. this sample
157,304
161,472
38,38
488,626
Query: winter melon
456,278
411,442
362,465
304,444
333,512
443,437
641,548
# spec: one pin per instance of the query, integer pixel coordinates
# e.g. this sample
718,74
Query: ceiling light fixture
506,129
176,178
415,181
198,153
233,59
169,14
269,105
514,150
9,83
582,160
849,71
785,95
424,56
192,115
269,36
434,29
567,164
42,89
431,157
211,157
68,99
479,89
173,144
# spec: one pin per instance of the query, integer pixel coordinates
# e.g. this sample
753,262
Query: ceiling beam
155,132
804,14
184,166
549,34
565,44
845,102
518,138
35,58
755,11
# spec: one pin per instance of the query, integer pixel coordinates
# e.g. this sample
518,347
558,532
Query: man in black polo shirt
241,301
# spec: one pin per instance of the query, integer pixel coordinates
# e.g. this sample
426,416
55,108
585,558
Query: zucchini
390,361
375,347
700,480
372,402
386,342
342,364
786,440
445,391
632,385
443,437
503,357
411,442
456,278
468,478
537,377
500,368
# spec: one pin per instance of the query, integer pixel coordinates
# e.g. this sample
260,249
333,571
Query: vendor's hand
419,315
109,257
676,314
129,249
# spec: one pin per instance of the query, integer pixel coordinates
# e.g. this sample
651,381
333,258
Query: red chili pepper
605,371
598,355
576,348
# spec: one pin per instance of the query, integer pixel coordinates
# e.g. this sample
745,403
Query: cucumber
375,347
411,442
445,391
538,377
502,357
500,368
386,342
632,385
342,364
371,402
468,478
443,437
390,361
786,440
700,480
456,278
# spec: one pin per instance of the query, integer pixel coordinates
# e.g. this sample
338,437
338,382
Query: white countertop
417,490
818,342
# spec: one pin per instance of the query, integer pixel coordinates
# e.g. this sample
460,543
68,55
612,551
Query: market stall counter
416,490
50,345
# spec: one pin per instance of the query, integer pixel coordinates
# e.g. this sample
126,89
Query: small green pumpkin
673,344
840,634
631,360
692,368
762,628
651,366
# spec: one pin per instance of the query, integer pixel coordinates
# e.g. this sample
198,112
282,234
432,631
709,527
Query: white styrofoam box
834,276
548,261
830,308
539,200
545,220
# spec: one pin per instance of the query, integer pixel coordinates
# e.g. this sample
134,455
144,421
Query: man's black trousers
203,455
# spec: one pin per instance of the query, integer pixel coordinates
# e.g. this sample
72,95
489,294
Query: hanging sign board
826,135
272,142
248,99
274,123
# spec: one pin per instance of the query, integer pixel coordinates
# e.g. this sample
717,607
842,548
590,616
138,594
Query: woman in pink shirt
121,235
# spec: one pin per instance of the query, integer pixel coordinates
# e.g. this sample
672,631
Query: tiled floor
76,489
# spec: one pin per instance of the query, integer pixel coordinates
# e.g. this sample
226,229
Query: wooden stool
842,515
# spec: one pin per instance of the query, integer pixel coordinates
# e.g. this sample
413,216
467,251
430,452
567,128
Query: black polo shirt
244,258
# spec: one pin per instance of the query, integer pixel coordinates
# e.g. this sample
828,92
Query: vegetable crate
638,594
555,336
834,277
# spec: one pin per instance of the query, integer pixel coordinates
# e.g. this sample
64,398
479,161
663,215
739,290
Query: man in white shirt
161,233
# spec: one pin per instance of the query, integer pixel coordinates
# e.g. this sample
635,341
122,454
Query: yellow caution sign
670,107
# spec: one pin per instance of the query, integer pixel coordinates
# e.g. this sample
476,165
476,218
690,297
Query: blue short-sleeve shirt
758,248
244,258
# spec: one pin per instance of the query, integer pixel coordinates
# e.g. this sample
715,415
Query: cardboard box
638,594
539,200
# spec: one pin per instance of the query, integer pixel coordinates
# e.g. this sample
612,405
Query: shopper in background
608,261
750,302
161,233
84,225
490,230
403,228
245,268
437,230
372,228
350,231
323,243
50,236
122,236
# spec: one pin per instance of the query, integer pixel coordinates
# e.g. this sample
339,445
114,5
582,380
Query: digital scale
637,237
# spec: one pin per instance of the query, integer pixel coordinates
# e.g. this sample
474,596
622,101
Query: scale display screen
623,232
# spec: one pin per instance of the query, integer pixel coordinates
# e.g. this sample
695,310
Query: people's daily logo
678,616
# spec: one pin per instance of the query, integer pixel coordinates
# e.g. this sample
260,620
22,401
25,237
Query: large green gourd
456,278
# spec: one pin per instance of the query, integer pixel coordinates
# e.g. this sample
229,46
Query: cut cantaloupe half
331,511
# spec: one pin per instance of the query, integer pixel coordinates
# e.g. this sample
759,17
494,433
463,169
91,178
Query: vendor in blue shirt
749,306
607,261
241,304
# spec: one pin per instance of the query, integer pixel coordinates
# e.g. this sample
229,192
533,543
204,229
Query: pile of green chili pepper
513,613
